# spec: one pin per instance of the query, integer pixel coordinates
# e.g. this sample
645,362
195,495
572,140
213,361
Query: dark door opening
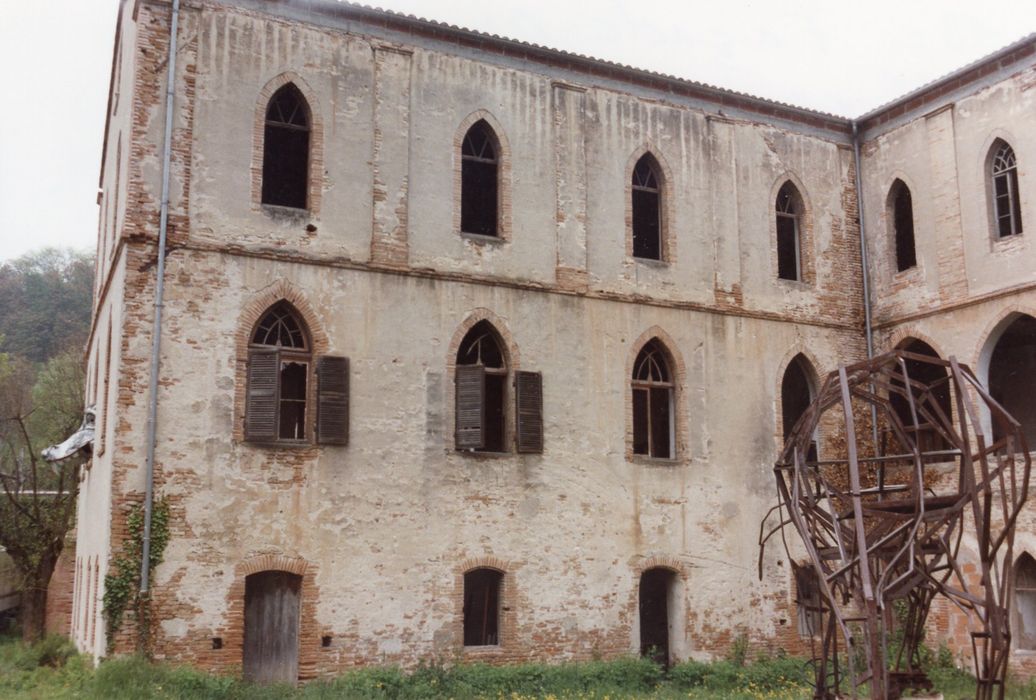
482,607
655,591
271,649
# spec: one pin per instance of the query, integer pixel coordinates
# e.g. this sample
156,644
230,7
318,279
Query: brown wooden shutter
261,399
333,400
528,401
471,401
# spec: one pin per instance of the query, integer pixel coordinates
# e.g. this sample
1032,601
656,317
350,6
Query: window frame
648,387
499,583
899,191
793,213
302,355
1002,152
649,161
493,141
484,329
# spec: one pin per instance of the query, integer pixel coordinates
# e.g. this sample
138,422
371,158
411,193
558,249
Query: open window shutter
471,401
333,400
261,400
528,399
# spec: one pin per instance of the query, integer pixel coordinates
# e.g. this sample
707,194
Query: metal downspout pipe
156,329
868,330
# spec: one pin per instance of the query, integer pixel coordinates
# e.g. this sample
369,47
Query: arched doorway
1024,622
271,648
797,394
657,608
1012,370
928,437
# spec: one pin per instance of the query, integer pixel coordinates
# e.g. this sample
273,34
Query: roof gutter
156,329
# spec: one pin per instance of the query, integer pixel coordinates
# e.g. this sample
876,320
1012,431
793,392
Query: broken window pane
482,347
293,401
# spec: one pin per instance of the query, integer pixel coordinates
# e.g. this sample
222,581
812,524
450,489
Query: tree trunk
34,597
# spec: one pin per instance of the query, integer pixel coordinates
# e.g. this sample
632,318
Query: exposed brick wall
60,591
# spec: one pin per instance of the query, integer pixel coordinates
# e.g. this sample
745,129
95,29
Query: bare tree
37,408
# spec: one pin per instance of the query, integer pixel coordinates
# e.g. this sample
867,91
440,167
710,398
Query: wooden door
271,651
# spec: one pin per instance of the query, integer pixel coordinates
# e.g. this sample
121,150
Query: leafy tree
45,303
37,498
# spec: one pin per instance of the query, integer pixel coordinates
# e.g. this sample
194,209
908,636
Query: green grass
52,669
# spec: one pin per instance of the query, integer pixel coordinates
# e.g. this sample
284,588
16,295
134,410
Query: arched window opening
808,601
653,414
279,362
796,396
479,180
482,595
1012,374
1025,602
1007,209
481,384
928,437
656,606
789,213
286,149
902,214
647,209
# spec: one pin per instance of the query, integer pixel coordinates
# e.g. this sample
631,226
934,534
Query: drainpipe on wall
868,331
156,330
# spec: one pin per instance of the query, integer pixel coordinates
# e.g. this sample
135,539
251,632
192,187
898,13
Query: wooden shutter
333,400
528,401
471,401
261,399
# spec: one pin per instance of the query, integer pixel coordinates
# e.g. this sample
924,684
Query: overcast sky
840,57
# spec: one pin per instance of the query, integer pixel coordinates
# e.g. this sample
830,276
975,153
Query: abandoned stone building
478,350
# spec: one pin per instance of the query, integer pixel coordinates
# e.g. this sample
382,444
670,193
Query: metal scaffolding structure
915,456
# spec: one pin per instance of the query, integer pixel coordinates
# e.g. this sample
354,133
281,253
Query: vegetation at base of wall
52,669
122,582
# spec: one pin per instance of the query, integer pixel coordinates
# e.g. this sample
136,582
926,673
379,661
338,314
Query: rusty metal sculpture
882,513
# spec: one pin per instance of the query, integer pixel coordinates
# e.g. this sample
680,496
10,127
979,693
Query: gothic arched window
286,149
479,188
653,410
1007,208
647,209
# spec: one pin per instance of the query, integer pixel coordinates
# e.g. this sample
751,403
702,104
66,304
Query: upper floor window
1007,209
647,209
789,215
901,210
479,193
286,149
481,396
280,372
653,410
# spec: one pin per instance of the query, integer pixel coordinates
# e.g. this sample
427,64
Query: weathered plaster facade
382,531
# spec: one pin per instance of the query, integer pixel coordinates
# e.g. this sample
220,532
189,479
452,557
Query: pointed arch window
1007,210
653,409
1025,602
789,214
479,194
902,216
286,149
647,209
280,374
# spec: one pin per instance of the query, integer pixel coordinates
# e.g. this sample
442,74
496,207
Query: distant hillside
45,303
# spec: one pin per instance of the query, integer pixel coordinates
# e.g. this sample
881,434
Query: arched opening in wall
647,208
481,390
279,360
1025,603
927,436
797,392
479,189
808,601
657,605
789,210
271,645
1003,178
654,428
1012,373
286,149
901,214
482,596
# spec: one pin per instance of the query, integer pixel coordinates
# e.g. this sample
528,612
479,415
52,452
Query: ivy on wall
122,582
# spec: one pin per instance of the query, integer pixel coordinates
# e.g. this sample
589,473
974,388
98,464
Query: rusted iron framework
882,523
